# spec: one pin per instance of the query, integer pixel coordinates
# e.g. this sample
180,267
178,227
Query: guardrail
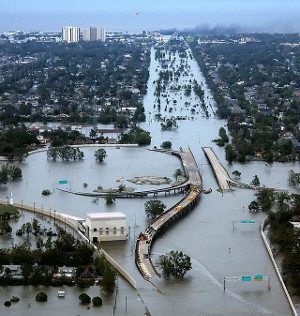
262,227
56,216
119,268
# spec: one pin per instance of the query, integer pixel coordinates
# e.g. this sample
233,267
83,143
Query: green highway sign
246,278
258,277
247,221
63,182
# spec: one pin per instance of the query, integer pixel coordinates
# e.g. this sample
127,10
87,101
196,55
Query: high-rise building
89,34
71,34
101,34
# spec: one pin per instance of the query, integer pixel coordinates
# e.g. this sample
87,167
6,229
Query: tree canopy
154,208
100,154
175,263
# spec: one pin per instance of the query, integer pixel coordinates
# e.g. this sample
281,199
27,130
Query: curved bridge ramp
159,224
188,164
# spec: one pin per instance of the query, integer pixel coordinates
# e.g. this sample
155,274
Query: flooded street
205,234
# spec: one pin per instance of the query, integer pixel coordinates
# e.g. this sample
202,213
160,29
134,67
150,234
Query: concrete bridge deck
223,179
144,242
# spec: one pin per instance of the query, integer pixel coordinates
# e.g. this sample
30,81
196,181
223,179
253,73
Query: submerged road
206,234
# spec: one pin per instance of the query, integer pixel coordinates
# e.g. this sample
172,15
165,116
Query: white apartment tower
101,34
71,34
89,34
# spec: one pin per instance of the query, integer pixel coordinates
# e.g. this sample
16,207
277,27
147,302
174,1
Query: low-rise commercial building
106,226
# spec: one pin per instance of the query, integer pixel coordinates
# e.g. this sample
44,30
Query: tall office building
71,34
101,34
89,34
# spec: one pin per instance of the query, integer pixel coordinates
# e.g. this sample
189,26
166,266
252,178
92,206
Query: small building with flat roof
106,226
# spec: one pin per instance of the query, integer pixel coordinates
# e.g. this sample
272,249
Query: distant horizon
249,16
205,27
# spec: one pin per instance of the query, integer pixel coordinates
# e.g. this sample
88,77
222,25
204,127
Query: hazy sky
131,15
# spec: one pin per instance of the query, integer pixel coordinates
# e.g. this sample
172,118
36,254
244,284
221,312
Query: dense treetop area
78,81
255,80
15,142
283,208
40,265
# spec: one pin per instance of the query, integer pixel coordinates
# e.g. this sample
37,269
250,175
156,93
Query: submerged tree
229,153
84,298
175,263
15,172
237,174
294,178
3,175
65,153
110,198
5,228
166,145
154,208
108,278
255,181
100,154
169,124
254,206
103,268
41,297
265,198
178,172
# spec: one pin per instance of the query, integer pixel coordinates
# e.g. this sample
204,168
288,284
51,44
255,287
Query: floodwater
206,234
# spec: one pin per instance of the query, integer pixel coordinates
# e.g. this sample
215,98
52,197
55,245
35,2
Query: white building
101,34
106,226
89,34
71,34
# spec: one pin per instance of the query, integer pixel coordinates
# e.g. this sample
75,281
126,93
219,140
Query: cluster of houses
38,89
252,93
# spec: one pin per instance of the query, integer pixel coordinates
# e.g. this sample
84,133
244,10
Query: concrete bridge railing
119,268
55,216
262,227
